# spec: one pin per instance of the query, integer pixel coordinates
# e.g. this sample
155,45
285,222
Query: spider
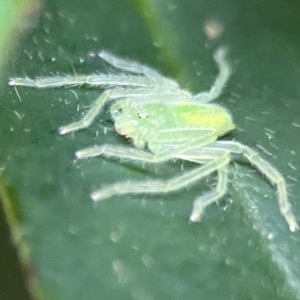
165,123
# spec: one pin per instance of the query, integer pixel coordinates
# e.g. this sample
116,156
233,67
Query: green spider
172,123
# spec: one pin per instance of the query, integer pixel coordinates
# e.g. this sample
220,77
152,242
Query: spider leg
92,80
201,155
161,186
143,156
208,198
221,81
89,117
128,65
270,172
135,67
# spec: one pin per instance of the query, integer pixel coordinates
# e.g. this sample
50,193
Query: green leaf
143,247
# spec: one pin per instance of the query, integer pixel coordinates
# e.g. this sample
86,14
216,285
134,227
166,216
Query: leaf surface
143,247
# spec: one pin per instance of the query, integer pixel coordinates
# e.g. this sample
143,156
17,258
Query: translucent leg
161,186
89,117
205,200
225,73
270,172
135,154
221,81
93,80
201,155
128,65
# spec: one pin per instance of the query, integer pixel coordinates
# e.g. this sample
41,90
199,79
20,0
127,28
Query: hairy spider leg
135,67
108,95
220,158
208,198
207,137
78,80
202,154
128,65
220,82
269,171
165,186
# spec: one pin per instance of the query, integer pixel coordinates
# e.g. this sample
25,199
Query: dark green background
143,247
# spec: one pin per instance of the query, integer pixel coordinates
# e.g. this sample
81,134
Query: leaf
143,247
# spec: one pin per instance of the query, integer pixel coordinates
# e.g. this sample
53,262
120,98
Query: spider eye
142,113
